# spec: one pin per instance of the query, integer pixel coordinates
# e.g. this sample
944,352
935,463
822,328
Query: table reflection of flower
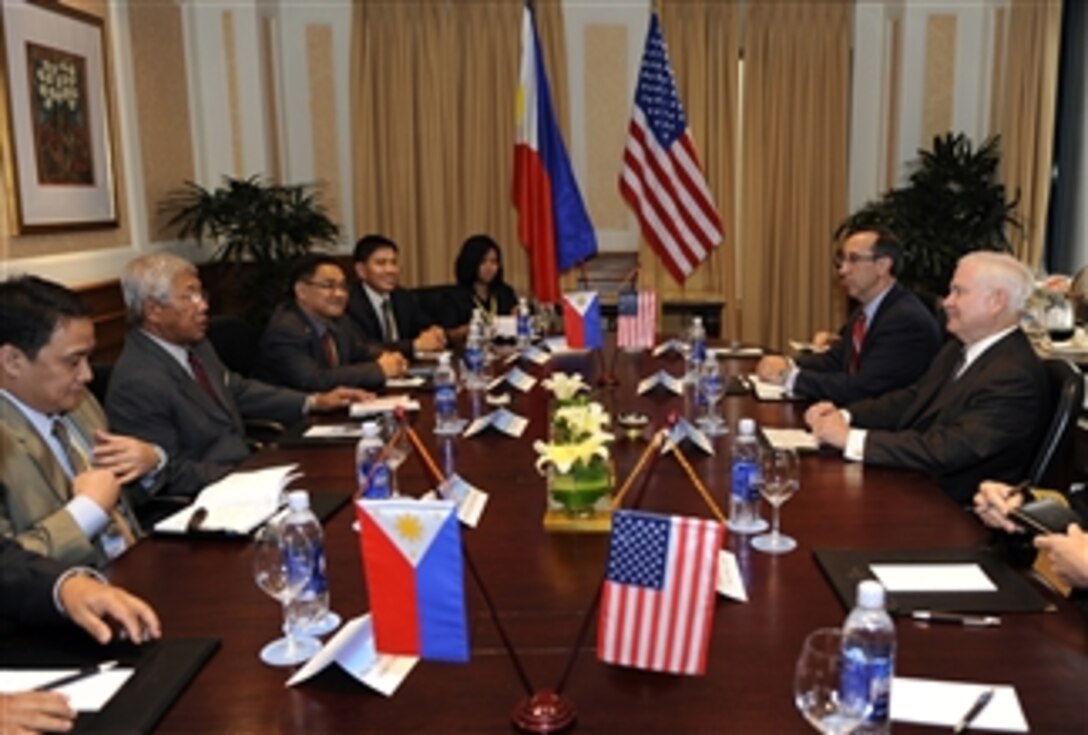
576,456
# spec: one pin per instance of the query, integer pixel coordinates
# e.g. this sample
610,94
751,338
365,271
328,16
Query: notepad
943,703
385,404
738,351
949,577
236,504
411,381
767,391
798,439
86,695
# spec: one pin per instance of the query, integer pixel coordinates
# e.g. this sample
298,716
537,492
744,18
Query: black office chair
1066,388
100,380
438,303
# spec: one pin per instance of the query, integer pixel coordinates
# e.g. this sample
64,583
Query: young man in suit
975,414
382,310
886,343
61,471
169,387
36,590
308,344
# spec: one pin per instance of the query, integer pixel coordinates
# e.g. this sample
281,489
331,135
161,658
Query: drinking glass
711,389
816,685
397,452
780,478
282,564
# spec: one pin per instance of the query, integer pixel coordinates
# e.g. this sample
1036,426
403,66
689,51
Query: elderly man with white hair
978,412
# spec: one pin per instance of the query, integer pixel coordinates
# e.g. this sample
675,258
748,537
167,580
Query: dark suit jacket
409,315
985,425
463,303
291,354
26,585
899,345
152,397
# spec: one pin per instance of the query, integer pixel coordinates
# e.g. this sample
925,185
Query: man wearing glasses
309,344
170,388
888,341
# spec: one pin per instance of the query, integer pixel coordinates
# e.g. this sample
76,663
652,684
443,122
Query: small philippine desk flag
582,320
415,580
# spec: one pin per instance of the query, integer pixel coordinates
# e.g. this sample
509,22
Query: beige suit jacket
34,488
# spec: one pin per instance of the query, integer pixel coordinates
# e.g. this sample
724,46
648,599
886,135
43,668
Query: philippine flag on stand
412,560
582,320
657,605
552,221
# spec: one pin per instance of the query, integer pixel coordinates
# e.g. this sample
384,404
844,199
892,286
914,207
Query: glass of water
817,690
711,389
780,478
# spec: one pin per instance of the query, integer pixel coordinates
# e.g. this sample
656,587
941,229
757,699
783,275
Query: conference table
543,582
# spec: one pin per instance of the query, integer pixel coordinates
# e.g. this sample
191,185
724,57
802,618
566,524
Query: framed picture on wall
57,126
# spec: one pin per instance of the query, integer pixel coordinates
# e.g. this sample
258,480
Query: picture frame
56,122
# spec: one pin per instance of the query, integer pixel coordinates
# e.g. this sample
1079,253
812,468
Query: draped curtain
1025,112
793,167
432,99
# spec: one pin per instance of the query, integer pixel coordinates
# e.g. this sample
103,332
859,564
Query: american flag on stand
661,178
658,600
636,324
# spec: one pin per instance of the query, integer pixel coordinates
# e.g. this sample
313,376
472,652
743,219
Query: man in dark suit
978,412
886,343
308,344
36,590
170,388
382,310
61,471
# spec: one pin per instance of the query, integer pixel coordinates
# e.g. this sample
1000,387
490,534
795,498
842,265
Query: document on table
410,381
931,577
352,648
767,391
86,695
503,420
236,504
738,351
334,431
798,439
943,703
385,404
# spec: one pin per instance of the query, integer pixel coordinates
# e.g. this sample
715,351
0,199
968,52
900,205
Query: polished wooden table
543,582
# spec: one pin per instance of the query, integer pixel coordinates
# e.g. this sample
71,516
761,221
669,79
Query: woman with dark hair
480,284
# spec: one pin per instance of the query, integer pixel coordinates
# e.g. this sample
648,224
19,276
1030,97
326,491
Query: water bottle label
374,481
445,400
867,680
745,480
710,386
523,325
474,359
698,351
319,583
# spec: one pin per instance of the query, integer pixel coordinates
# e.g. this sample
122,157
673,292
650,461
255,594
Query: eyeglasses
852,258
330,285
194,298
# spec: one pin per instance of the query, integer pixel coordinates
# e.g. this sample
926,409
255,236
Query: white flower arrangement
578,435
565,387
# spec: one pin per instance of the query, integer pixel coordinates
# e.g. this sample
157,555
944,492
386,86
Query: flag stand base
544,712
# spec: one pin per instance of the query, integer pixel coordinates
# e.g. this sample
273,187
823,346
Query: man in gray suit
61,471
978,412
169,387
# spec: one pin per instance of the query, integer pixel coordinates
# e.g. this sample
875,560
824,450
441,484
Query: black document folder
844,568
163,669
322,504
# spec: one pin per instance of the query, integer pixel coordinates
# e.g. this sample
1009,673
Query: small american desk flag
636,324
658,600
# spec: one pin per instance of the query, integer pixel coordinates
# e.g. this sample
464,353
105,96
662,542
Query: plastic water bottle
744,496
696,351
372,472
474,353
868,649
446,420
524,324
308,610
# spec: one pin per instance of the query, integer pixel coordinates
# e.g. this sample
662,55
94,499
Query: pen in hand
78,676
975,711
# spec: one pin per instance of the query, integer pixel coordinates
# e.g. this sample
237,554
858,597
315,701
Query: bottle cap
698,321
870,594
747,427
370,430
444,359
298,500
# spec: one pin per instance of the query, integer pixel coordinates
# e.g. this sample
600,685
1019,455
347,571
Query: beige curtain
794,166
432,99
703,38
1025,109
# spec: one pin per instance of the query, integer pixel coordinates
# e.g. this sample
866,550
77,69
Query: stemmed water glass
817,689
711,389
397,451
282,565
780,478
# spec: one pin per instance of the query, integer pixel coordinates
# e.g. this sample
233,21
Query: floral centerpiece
575,458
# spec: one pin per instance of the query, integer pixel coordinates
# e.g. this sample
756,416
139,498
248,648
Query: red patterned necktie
857,339
201,376
328,347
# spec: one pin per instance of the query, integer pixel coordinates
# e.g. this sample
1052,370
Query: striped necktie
389,320
857,339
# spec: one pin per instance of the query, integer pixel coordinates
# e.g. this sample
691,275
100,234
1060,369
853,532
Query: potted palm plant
953,203
258,228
